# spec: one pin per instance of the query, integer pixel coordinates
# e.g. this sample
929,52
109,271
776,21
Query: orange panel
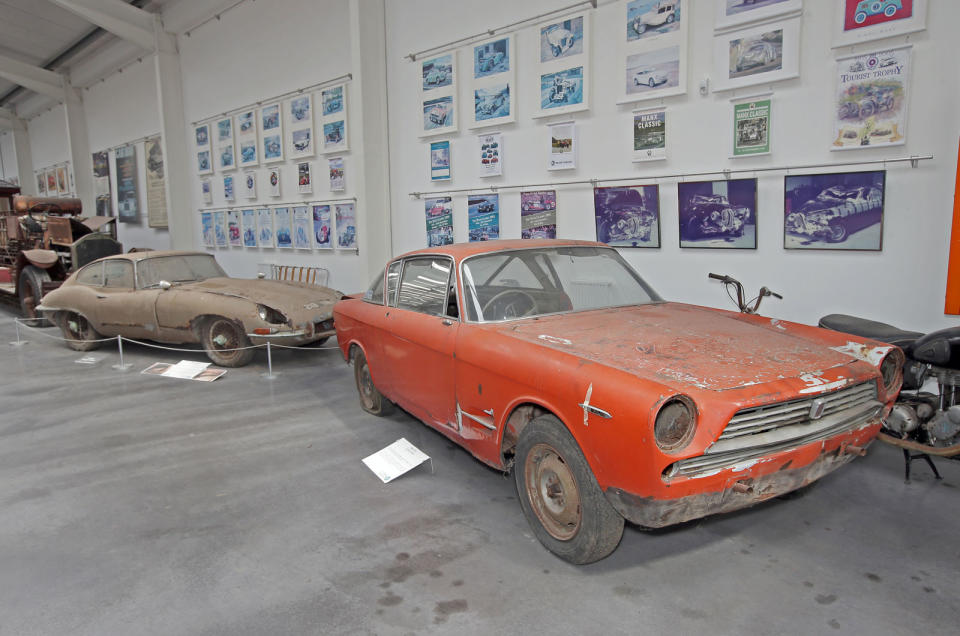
952,305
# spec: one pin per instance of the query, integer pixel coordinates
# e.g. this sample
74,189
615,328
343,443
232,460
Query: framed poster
757,55
248,220
439,160
265,236
245,124
731,14
220,227
271,133
62,185
304,178
201,140
346,220
628,216
233,228
718,214
338,181
283,227
322,227
51,177
654,49
128,196
649,134
206,191
300,111
273,182
226,157
564,68
563,146
42,180
490,155
483,217
838,211
439,213
494,82
206,229
156,183
101,183
249,184
538,214
333,118
751,126
302,227
438,91
229,193
858,21
871,106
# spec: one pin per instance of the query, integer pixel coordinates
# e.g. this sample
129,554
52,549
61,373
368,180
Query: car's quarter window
118,273
424,285
374,293
181,268
393,277
91,275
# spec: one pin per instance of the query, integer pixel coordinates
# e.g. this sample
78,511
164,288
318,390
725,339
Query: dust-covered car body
836,213
554,359
713,216
185,297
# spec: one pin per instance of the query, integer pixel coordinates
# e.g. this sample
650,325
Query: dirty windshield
536,282
177,269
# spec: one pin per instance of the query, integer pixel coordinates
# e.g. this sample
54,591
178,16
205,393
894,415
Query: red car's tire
371,400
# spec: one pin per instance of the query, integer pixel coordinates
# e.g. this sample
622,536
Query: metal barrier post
121,366
269,374
19,342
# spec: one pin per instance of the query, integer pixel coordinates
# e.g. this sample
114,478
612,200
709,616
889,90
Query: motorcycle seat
870,329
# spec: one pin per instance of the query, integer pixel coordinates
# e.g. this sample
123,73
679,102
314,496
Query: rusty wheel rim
365,383
553,493
224,339
77,327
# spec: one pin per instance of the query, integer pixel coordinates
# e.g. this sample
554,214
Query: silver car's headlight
268,314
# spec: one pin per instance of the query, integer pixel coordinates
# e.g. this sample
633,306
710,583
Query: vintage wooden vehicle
556,360
185,297
42,240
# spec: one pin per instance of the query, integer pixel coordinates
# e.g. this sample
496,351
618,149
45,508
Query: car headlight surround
890,369
675,423
270,315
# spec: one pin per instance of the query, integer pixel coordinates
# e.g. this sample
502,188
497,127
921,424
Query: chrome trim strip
487,425
596,411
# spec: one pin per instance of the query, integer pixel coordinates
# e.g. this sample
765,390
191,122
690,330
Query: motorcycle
922,424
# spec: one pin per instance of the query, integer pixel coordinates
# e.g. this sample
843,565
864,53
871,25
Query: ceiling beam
10,121
118,17
35,78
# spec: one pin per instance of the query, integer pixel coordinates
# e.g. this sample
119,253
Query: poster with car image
265,236
649,134
338,179
654,50
233,228
245,124
440,160
273,182
564,68
718,214
249,225
493,82
333,119
751,127
483,217
202,143
206,190
283,227
859,21
226,156
322,227
101,183
439,212
206,229
249,184
838,211
128,194
538,214
438,92
228,187
562,154
871,99
302,228
156,183
757,55
490,154
304,178
271,133
300,125
628,216
220,228
345,217
731,14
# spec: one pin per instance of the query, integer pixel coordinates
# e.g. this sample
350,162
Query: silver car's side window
393,280
424,285
91,275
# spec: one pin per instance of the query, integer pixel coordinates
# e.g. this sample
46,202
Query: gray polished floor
133,504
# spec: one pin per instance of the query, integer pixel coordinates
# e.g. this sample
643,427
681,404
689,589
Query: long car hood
279,295
677,344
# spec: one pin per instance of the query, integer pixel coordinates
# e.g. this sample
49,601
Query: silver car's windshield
186,268
539,281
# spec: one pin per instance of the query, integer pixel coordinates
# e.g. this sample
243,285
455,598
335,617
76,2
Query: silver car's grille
772,416
757,432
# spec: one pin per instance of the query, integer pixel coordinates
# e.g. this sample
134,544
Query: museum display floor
136,504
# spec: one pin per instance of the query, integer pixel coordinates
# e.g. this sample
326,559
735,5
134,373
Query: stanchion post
121,366
19,342
269,374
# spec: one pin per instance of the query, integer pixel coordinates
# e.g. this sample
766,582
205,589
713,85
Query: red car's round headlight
890,370
675,423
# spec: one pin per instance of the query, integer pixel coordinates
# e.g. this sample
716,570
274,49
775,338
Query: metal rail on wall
913,159
491,32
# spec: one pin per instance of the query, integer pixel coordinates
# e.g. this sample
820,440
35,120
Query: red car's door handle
446,323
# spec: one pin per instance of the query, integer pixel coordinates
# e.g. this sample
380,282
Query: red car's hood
681,345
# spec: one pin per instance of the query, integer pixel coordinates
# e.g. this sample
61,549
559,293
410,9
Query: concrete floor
132,504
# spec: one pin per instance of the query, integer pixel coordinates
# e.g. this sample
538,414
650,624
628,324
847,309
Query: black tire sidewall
227,358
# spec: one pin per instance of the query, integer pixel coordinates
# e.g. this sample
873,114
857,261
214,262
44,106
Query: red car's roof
460,251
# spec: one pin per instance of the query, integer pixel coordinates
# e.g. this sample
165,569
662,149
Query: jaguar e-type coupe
557,360
185,297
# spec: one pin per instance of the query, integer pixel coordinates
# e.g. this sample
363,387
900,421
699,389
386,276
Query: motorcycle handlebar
722,277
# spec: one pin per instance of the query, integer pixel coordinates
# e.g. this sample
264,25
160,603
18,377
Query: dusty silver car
185,297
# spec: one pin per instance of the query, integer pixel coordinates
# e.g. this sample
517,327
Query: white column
78,144
21,146
368,112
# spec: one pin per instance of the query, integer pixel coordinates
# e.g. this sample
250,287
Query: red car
554,359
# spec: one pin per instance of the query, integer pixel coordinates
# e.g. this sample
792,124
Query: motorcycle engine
903,418
944,427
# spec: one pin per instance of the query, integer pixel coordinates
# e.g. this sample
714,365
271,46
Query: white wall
48,137
8,157
253,53
904,284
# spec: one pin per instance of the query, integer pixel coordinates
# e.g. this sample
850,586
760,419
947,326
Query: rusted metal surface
54,205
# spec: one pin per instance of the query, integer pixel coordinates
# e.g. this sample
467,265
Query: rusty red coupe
556,360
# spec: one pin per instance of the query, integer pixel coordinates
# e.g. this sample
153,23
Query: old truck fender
44,259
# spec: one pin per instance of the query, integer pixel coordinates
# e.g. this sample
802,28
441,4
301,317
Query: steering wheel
510,303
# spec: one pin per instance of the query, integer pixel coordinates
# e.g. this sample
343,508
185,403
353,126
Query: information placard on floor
395,460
